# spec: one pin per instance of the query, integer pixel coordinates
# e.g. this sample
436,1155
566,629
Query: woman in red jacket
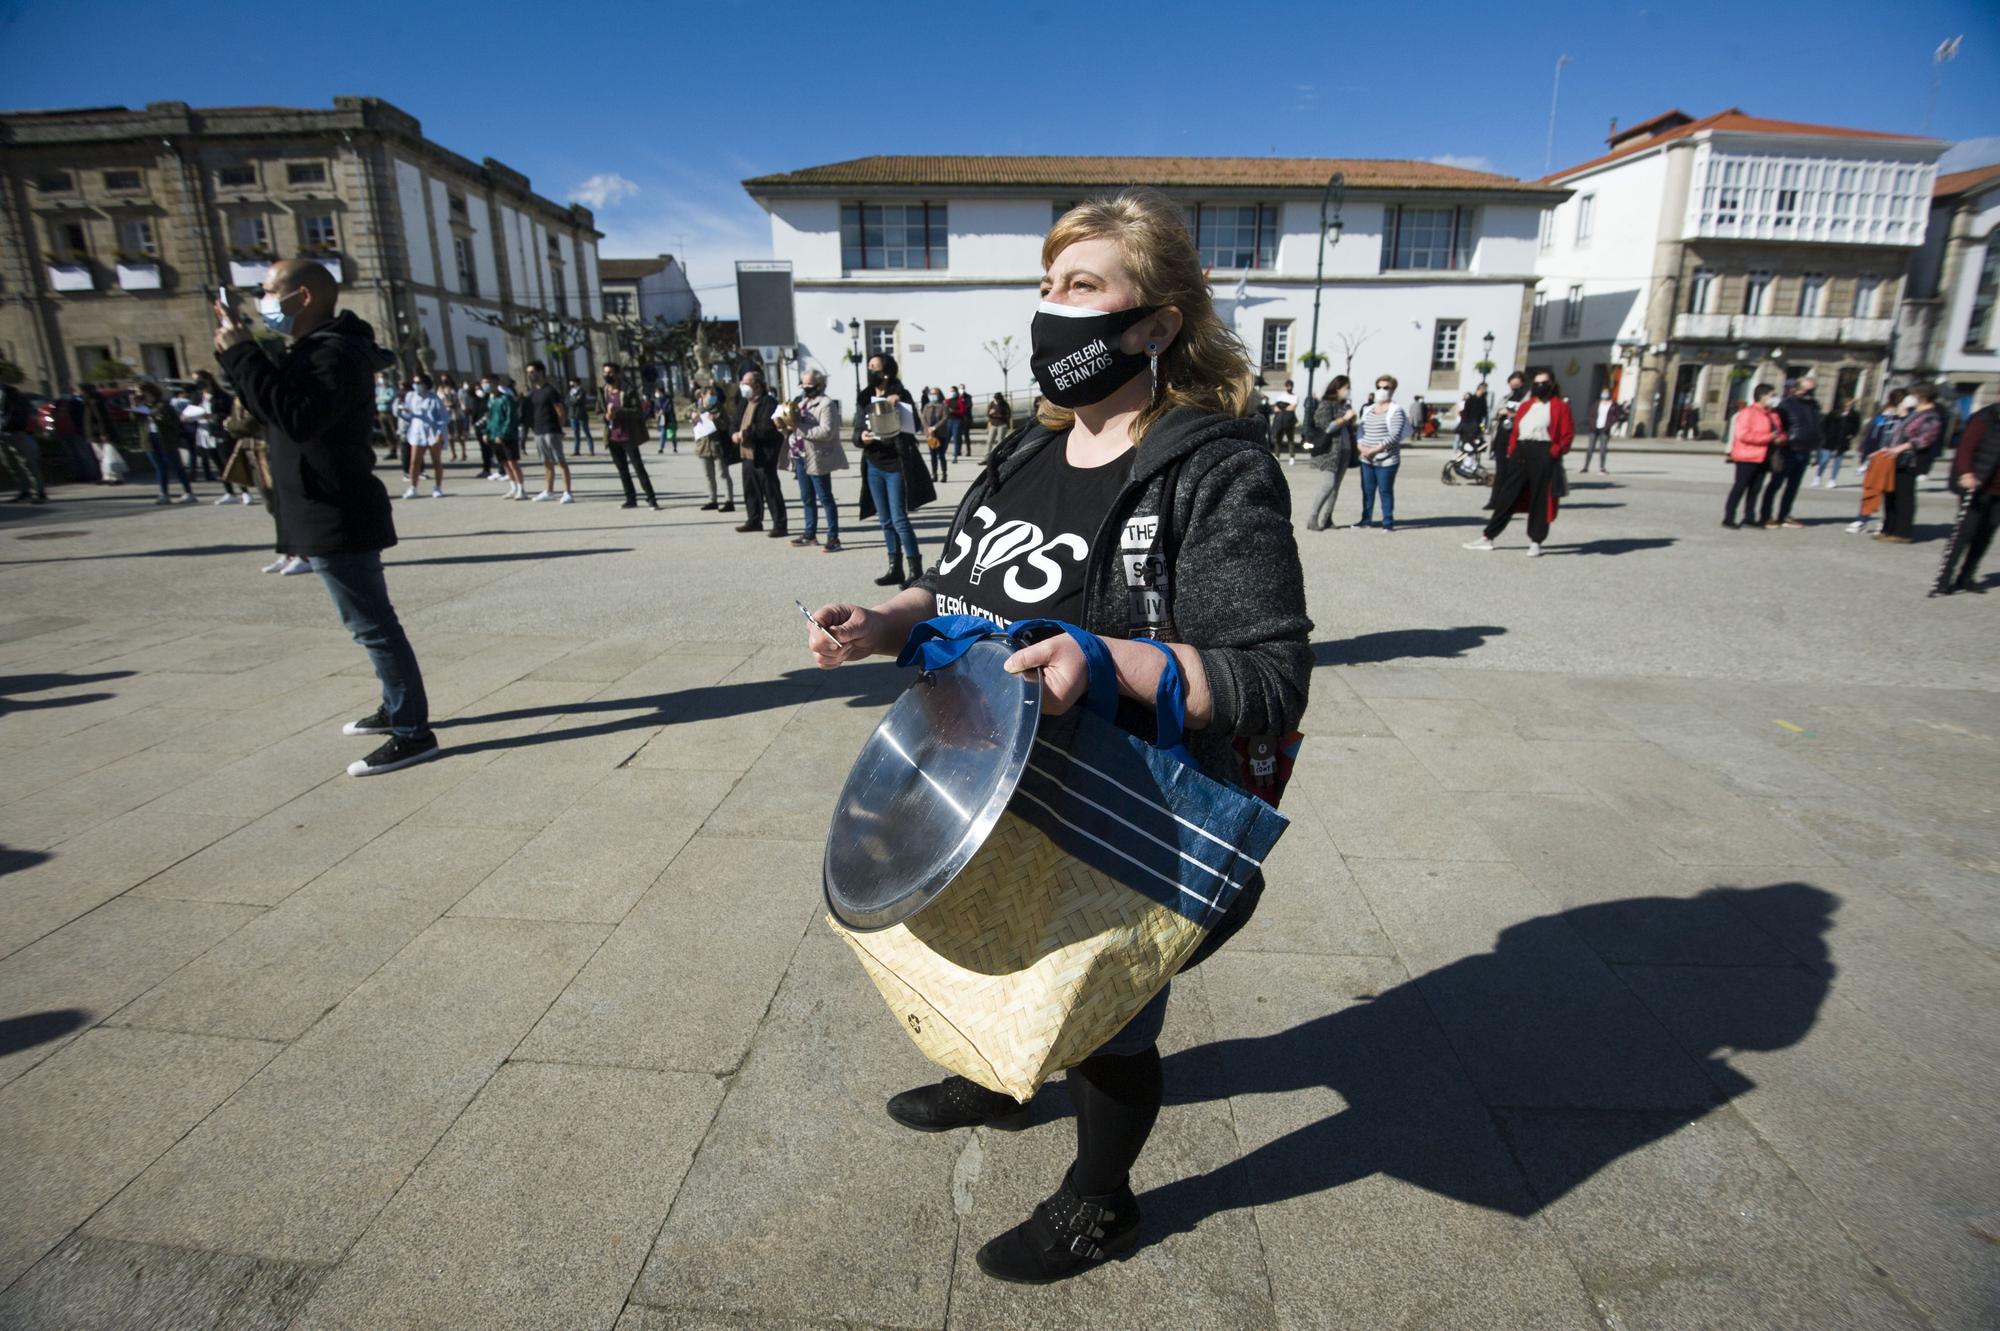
1541,434
1754,432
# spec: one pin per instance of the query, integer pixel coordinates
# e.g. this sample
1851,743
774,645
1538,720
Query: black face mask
1545,391
812,390
1075,357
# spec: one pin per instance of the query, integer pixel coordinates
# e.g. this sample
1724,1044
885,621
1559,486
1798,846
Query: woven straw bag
1113,861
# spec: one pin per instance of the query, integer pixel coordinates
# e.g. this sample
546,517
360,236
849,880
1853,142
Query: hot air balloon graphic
1003,543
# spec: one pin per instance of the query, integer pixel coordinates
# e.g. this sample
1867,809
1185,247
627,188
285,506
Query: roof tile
1733,120
1958,182
1087,172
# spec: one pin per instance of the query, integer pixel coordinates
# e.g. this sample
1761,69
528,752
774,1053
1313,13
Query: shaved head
290,274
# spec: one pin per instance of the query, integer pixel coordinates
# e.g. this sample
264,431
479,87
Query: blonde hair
1206,366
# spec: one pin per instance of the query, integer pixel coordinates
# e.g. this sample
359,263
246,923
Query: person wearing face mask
935,418
891,472
712,428
1384,427
1331,436
1753,433
1541,434
816,436
625,438
425,420
1159,513
318,411
760,443
1503,427
1603,416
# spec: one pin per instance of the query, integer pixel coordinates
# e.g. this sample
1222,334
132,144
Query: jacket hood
1180,432
351,326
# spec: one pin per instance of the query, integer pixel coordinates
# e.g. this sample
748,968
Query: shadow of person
1404,645
1445,1079
25,1032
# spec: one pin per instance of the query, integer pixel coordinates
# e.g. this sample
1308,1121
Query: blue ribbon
940,642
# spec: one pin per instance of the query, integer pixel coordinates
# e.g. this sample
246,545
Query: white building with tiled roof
932,257
1698,257
1949,327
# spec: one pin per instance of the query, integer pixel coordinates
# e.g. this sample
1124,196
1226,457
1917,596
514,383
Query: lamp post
854,356
1486,354
1331,196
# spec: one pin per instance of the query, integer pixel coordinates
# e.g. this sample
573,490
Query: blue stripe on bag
1143,814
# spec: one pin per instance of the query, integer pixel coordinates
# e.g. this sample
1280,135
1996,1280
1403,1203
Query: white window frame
1447,341
878,338
1545,235
1867,295
1701,291
1586,219
1277,344
331,241
1538,315
137,236
259,224
1573,311
1812,295
1757,292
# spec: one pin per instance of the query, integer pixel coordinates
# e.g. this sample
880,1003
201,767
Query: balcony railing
1780,328
71,275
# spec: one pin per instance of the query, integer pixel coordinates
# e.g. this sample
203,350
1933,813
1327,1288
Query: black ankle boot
1067,1235
916,571
956,1102
894,577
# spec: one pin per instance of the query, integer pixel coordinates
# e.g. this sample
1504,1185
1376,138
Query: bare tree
1006,355
1351,342
549,337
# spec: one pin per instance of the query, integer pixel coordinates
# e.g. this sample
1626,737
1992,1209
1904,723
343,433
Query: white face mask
749,389
1381,395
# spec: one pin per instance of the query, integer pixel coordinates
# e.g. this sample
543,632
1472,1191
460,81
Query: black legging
1981,518
1899,506
1530,473
626,457
1117,1099
1749,480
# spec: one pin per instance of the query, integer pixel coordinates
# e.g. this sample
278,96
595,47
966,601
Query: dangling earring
1153,350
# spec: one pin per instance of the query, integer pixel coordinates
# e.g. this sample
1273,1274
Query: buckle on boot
1084,1248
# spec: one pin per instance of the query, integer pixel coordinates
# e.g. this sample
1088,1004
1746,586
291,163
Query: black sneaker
375,723
956,1102
397,752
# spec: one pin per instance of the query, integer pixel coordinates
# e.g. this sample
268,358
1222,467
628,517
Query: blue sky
655,112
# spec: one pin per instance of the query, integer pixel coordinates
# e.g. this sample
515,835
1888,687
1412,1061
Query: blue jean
361,595
954,434
580,437
1823,456
164,459
809,501
1379,481
886,489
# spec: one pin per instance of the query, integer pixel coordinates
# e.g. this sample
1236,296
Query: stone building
1699,256
117,226
1947,329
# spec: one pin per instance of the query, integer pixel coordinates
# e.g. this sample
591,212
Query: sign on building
764,304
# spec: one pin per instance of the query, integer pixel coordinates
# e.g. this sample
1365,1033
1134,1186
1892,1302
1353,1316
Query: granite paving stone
87,1121
594,1156
299,1162
103,1285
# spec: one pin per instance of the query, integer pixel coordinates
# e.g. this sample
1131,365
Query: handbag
1113,862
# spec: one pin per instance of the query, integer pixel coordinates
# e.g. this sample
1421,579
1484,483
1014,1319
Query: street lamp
1487,343
1329,234
854,355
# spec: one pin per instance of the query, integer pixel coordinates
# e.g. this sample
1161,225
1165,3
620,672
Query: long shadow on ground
1405,645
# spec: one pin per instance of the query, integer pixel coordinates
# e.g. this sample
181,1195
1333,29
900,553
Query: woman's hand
867,436
851,633
1065,674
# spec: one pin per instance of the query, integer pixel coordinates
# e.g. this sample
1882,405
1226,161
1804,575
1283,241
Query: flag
1948,48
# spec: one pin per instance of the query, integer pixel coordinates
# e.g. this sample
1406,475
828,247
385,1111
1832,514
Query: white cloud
1465,161
1968,153
604,189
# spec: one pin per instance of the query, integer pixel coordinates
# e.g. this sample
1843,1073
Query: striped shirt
1389,427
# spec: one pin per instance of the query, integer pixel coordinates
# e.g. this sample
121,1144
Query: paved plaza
1632,960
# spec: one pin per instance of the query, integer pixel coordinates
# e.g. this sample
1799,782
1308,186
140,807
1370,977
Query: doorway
1846,384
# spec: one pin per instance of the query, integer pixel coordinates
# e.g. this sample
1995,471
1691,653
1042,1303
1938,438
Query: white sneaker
410,493
294,567
567,498
189,499
543,497
246,499
1858,526
1481,544
1534,549
437,493
277,565
226,499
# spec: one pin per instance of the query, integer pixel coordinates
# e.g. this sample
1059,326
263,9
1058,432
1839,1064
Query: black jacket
764,440
317,402
1235,589
1804,426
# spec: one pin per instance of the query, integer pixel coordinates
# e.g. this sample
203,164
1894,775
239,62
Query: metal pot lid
928,787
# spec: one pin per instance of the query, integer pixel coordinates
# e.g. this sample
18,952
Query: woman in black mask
882,467
1158,513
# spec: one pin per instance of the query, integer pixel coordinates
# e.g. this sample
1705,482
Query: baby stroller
1467,462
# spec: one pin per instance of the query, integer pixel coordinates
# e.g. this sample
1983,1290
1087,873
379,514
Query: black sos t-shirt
542,415
1023,553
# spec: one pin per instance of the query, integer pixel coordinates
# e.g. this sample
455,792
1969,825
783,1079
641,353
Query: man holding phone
316,400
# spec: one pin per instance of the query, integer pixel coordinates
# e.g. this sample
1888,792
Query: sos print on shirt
1029,560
